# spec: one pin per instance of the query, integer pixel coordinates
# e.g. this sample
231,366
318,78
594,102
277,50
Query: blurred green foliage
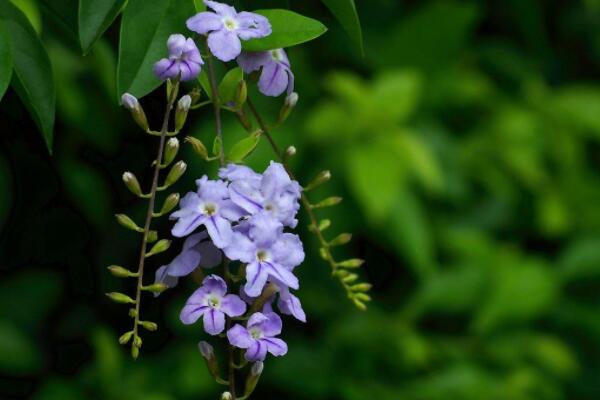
466,143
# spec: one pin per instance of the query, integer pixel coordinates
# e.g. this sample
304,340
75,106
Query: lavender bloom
258,337
276,75
211,302
274,192
210,207
267,251
184,60
287,303
197,251
225,27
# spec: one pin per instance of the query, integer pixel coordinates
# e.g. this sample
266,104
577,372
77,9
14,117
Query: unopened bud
135,352
175,173
361,287
290,102
257,368
183,106
137,341
120,298
351,263
341,239
152,236
253,377
127,222
159,247
132,183
156,287
171,150
170,87
350,278
241,93
328,202
206,350
149,325
226,396
137,112
290,151
323,177
170,203
198,147
121,272
126,337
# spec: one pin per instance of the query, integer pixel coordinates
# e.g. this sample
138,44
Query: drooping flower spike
212,302
258,337
225,27
184,60
276,75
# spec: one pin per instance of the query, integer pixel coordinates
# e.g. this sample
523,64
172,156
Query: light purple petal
194,308
241,248
204,22
194,239
256,278
219,230
288,250
290,305
215,285
252,25
232,211
257,351
184,263
239,337
265,229
246,195
166,69
275,346
233,172
233,306
176,44
214,322
211,255
282,275
186,225
212,190
273,80
220,8
275,180
272,325
250,61
225,45
161,276
256,320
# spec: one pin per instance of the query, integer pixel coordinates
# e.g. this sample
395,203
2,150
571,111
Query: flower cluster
242,217
224,29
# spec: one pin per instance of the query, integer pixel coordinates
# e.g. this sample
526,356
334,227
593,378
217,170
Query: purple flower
268,252
184,60
276,75
287,303
274,192
197,251
212,302
210,207
225,27
258,337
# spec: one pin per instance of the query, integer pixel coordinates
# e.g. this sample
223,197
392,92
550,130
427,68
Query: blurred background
466,144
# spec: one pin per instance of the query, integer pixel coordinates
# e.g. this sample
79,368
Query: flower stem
216,105
303,198
149,213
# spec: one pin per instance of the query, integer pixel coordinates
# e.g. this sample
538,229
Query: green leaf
205,83
145,27
345,12
229,84
6,63
64,12
243,148
95,16
289,29
19,352
199,5
32,78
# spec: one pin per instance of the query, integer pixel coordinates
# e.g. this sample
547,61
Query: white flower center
214,301
255,333
262,255
277,54
230,23
208,208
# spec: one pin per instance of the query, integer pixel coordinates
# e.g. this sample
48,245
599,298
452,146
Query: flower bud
206,350
152,236
226,396
195,95
159,247
257,368
149,325
241,94
120,298
253,377
328,202
361,287
170,203
323,177
198,147
126,337
175,173
290,102
135,352
183,106
137,112
341,239
170,87
127,222
290,151
351,263
132,183
121,272
171,150
155,288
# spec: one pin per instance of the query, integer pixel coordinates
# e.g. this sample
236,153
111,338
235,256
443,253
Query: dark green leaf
229,84
63,11
95,16
32,77
199,5
145,27
345,12
243,148
6,63
289,29
205,83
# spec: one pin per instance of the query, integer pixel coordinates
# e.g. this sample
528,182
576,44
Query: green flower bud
121,272
183,106
135,352
290,151
132,313
226,396
120,298
351,263
253,377
152,236
137,341
241,94
127,222
350,278
170,87
171,149
137,112
290,102
175,173
159,247
359,304
319,180
155,288
324,224
197,146
170,203
341,239
132,183
328,202
126,337
149,325
361,287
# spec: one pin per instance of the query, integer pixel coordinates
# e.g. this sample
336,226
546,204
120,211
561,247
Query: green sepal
155,288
